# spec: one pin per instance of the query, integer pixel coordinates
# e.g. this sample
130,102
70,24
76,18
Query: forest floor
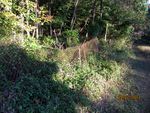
140,74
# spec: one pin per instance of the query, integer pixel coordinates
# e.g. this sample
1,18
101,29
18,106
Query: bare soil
140,66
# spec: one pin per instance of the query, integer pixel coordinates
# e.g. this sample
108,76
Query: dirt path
140,65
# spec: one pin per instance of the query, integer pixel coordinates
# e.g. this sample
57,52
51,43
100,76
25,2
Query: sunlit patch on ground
144,48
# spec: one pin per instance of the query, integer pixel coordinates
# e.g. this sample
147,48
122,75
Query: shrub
15,62
27,85
31,44
42,95
89,76
34,49
7,23
72,37
48,41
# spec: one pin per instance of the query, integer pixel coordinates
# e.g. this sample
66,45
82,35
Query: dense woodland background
68,56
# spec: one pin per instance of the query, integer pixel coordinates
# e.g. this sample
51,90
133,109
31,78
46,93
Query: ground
140,74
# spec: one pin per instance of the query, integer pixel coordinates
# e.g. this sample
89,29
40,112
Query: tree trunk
101,9
94,12
60,32
22,29
50,13
28,13
74,14
80,62
106,32
37,24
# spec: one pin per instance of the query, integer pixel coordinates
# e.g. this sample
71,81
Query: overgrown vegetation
38,42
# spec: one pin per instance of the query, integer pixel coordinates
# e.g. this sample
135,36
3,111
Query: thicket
37,39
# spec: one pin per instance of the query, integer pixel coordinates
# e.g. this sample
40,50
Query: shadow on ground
27,85
140,74
139,83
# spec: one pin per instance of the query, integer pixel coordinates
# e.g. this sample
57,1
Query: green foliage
16,62
117,49
27,85
72,37
7,23
105,68
95,29
32,46
41,95
126,31
32,83
48,41
121,18
89,76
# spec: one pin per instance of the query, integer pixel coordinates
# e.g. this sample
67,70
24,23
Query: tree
53,18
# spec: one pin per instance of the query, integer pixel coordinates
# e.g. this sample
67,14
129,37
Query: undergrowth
33,80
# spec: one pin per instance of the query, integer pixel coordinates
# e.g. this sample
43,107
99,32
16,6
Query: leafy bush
7,23
15,62
27,85
118,49
89,76
126,31
48,41
31,44
42,95
34,49
72,37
